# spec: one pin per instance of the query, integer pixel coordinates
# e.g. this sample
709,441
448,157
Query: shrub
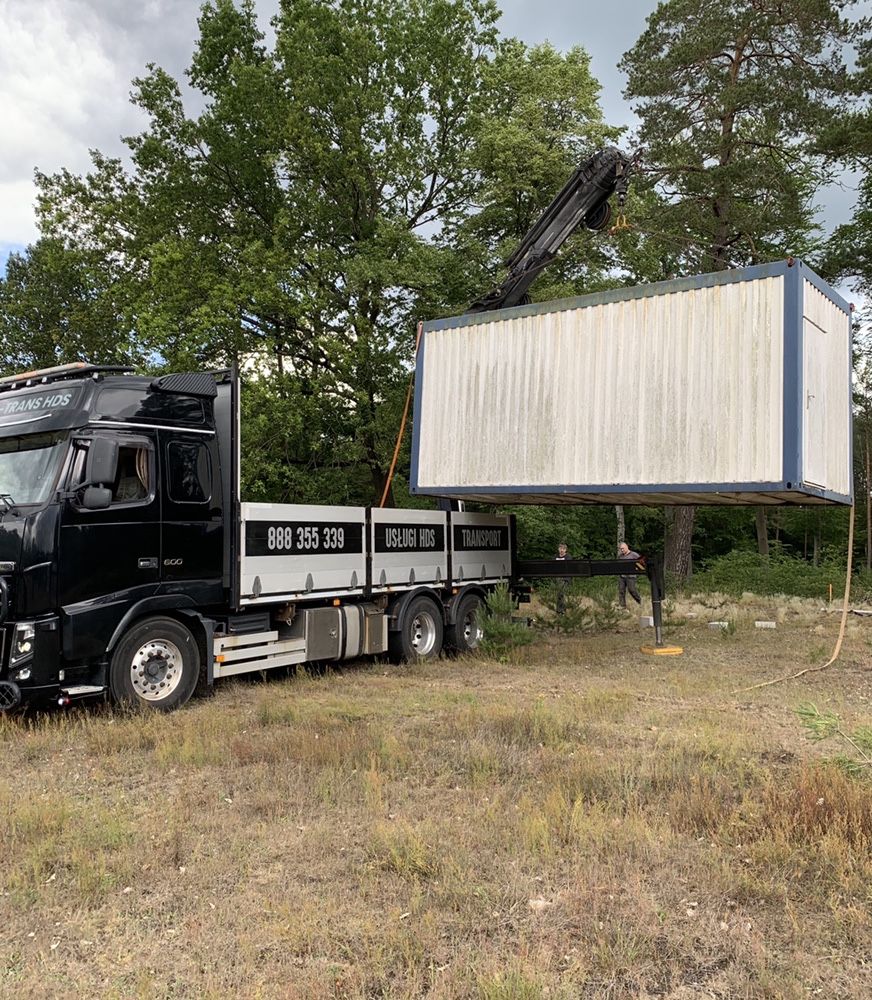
739,572
500,631
827,725
578,618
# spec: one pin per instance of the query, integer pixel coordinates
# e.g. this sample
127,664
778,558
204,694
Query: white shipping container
732,387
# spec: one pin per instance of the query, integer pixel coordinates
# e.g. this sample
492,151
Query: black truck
131,568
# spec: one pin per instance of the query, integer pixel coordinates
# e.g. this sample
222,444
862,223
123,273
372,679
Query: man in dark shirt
628,582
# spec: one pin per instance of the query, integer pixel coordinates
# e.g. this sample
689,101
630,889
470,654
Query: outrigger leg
650,566
654,572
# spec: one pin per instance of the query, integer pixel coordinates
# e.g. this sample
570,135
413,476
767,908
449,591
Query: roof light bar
59,372
41,372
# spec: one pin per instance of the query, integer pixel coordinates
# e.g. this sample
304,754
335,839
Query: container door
818,360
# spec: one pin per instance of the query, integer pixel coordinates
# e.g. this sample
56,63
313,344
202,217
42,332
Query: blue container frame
790,490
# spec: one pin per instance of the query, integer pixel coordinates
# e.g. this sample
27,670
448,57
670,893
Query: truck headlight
22,643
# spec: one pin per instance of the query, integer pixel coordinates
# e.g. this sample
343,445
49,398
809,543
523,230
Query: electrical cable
839,640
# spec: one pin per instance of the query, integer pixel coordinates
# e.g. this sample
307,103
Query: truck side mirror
102,463
96,498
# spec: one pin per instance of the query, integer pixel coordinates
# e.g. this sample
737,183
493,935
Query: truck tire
156,665
464,635
419,636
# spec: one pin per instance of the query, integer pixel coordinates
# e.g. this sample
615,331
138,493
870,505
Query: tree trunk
762,531
678,559
622,526
816,550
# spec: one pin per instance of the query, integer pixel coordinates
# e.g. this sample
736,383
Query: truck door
193,526
110,558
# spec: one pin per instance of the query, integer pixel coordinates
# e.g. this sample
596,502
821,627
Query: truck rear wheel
155,665
419,636
465,634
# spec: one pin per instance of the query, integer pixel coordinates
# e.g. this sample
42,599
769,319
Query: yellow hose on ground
838,646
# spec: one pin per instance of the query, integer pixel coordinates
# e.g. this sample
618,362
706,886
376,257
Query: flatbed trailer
330,583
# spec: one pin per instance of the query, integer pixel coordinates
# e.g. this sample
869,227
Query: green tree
731,100
848,256
847,139
369,167
543,119
57,304
286,224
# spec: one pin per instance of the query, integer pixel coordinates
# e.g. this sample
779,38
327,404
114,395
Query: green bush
821,726
578,618
742,571
502,633
602,590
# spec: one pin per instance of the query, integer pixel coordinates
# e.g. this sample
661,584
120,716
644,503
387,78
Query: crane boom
583,200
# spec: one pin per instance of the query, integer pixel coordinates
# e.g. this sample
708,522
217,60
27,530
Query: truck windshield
29,466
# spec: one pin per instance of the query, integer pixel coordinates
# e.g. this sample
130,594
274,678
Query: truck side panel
481,547
294,551
408,547
312,556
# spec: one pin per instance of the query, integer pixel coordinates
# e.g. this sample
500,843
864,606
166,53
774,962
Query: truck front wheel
155,665
419,636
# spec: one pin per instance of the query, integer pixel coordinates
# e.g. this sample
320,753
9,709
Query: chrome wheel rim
156,670
471,628
423,633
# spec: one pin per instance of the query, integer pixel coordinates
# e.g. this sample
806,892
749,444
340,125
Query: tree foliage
847,139
300,202
731,100
332,187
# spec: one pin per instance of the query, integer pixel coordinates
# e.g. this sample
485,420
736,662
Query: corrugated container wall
732,387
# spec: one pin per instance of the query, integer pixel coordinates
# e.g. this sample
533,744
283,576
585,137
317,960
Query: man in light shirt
628,582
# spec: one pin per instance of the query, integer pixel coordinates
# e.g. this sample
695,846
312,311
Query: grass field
580,821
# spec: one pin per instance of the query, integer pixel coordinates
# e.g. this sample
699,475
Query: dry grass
582,822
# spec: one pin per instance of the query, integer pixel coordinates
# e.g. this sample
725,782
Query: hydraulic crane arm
583,200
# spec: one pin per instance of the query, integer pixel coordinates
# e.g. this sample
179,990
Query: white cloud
17,224
66,68
65,72
49,83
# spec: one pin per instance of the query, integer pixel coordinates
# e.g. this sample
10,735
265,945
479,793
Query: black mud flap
10,696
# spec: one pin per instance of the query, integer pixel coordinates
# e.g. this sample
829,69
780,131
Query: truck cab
113,489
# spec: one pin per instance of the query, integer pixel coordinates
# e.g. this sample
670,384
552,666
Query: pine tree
732,97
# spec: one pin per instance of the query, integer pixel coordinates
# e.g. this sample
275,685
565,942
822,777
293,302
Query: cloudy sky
66,67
